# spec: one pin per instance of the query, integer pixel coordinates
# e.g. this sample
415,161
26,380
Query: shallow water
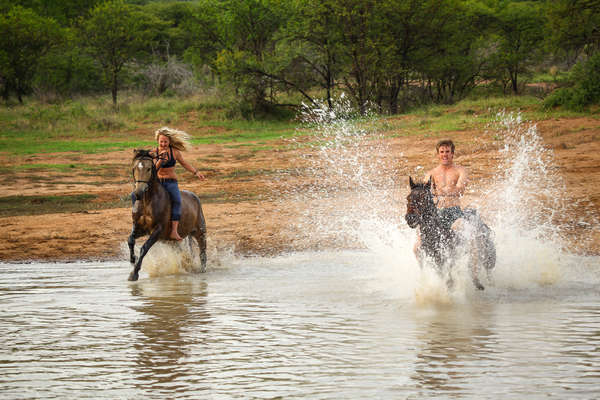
310,325
328,325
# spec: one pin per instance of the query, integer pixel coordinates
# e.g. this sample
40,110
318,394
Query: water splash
527,203
350,173
168,258
177,258
354,200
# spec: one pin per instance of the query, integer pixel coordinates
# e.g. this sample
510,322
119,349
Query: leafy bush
585,78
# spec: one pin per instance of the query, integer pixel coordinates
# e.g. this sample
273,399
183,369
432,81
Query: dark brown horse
440,242
151,213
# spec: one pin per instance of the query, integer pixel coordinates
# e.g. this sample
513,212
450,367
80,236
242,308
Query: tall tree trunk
115,84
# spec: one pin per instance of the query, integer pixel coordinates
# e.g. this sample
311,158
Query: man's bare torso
449,183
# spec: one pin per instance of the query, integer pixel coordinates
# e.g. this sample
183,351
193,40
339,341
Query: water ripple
286,328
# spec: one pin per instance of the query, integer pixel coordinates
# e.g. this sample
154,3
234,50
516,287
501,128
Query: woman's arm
186,165
159,157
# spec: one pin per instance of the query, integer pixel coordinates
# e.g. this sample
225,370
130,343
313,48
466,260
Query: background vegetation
264,58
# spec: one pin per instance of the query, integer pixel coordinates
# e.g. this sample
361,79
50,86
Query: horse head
143,171
419,202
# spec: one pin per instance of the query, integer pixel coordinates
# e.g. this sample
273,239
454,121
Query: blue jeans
172,187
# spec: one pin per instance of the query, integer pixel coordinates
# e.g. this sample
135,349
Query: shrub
585,89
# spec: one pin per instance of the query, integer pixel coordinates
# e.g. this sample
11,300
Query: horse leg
447,267
131,244
487,253
200,237
475,253
469,238
476,281
149,243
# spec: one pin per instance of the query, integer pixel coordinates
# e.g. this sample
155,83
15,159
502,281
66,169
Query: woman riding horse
171,143
159,209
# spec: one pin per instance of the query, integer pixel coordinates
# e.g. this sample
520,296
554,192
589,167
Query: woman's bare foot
174,233
175,236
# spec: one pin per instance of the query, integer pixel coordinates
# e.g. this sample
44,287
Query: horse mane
420,186
142,153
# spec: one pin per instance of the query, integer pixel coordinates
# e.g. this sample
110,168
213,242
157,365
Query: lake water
328,325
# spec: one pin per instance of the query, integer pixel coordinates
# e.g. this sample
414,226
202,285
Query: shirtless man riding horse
447,183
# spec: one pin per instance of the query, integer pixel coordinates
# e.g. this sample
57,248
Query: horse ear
411,182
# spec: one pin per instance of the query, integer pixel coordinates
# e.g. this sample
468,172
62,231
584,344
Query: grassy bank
77,128
90,125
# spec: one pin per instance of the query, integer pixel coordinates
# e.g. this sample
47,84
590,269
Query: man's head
447,142
445,151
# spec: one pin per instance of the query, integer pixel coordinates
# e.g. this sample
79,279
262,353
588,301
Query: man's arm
450,189
461,183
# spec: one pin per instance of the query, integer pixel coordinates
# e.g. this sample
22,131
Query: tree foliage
114,33
391,54
24,38
574,26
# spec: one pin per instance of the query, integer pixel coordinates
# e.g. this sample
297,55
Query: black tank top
171,161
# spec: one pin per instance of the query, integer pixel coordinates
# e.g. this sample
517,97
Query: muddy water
311,325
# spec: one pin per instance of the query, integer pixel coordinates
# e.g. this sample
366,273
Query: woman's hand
199,175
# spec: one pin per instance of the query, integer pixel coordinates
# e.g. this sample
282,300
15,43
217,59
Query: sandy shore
267,199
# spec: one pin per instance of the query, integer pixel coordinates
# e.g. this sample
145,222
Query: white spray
356,200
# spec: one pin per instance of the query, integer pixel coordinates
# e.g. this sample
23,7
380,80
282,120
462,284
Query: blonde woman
171,144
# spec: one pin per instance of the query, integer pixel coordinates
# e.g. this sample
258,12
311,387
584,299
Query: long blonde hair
179,140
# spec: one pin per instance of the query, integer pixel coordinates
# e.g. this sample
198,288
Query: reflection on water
310,325
169,306
450,340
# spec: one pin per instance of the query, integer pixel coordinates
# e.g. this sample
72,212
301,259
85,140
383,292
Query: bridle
416,218
154,169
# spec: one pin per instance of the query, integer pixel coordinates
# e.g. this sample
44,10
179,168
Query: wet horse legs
201,241
149,243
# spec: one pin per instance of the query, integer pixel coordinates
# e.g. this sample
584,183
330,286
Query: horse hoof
478,284
133,277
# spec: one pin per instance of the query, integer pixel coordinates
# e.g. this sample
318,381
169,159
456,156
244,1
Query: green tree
519,35
312,32
252,57
114,34
584,87
574,26
176,18
24,38
207,34
67,69
451,57
356,20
